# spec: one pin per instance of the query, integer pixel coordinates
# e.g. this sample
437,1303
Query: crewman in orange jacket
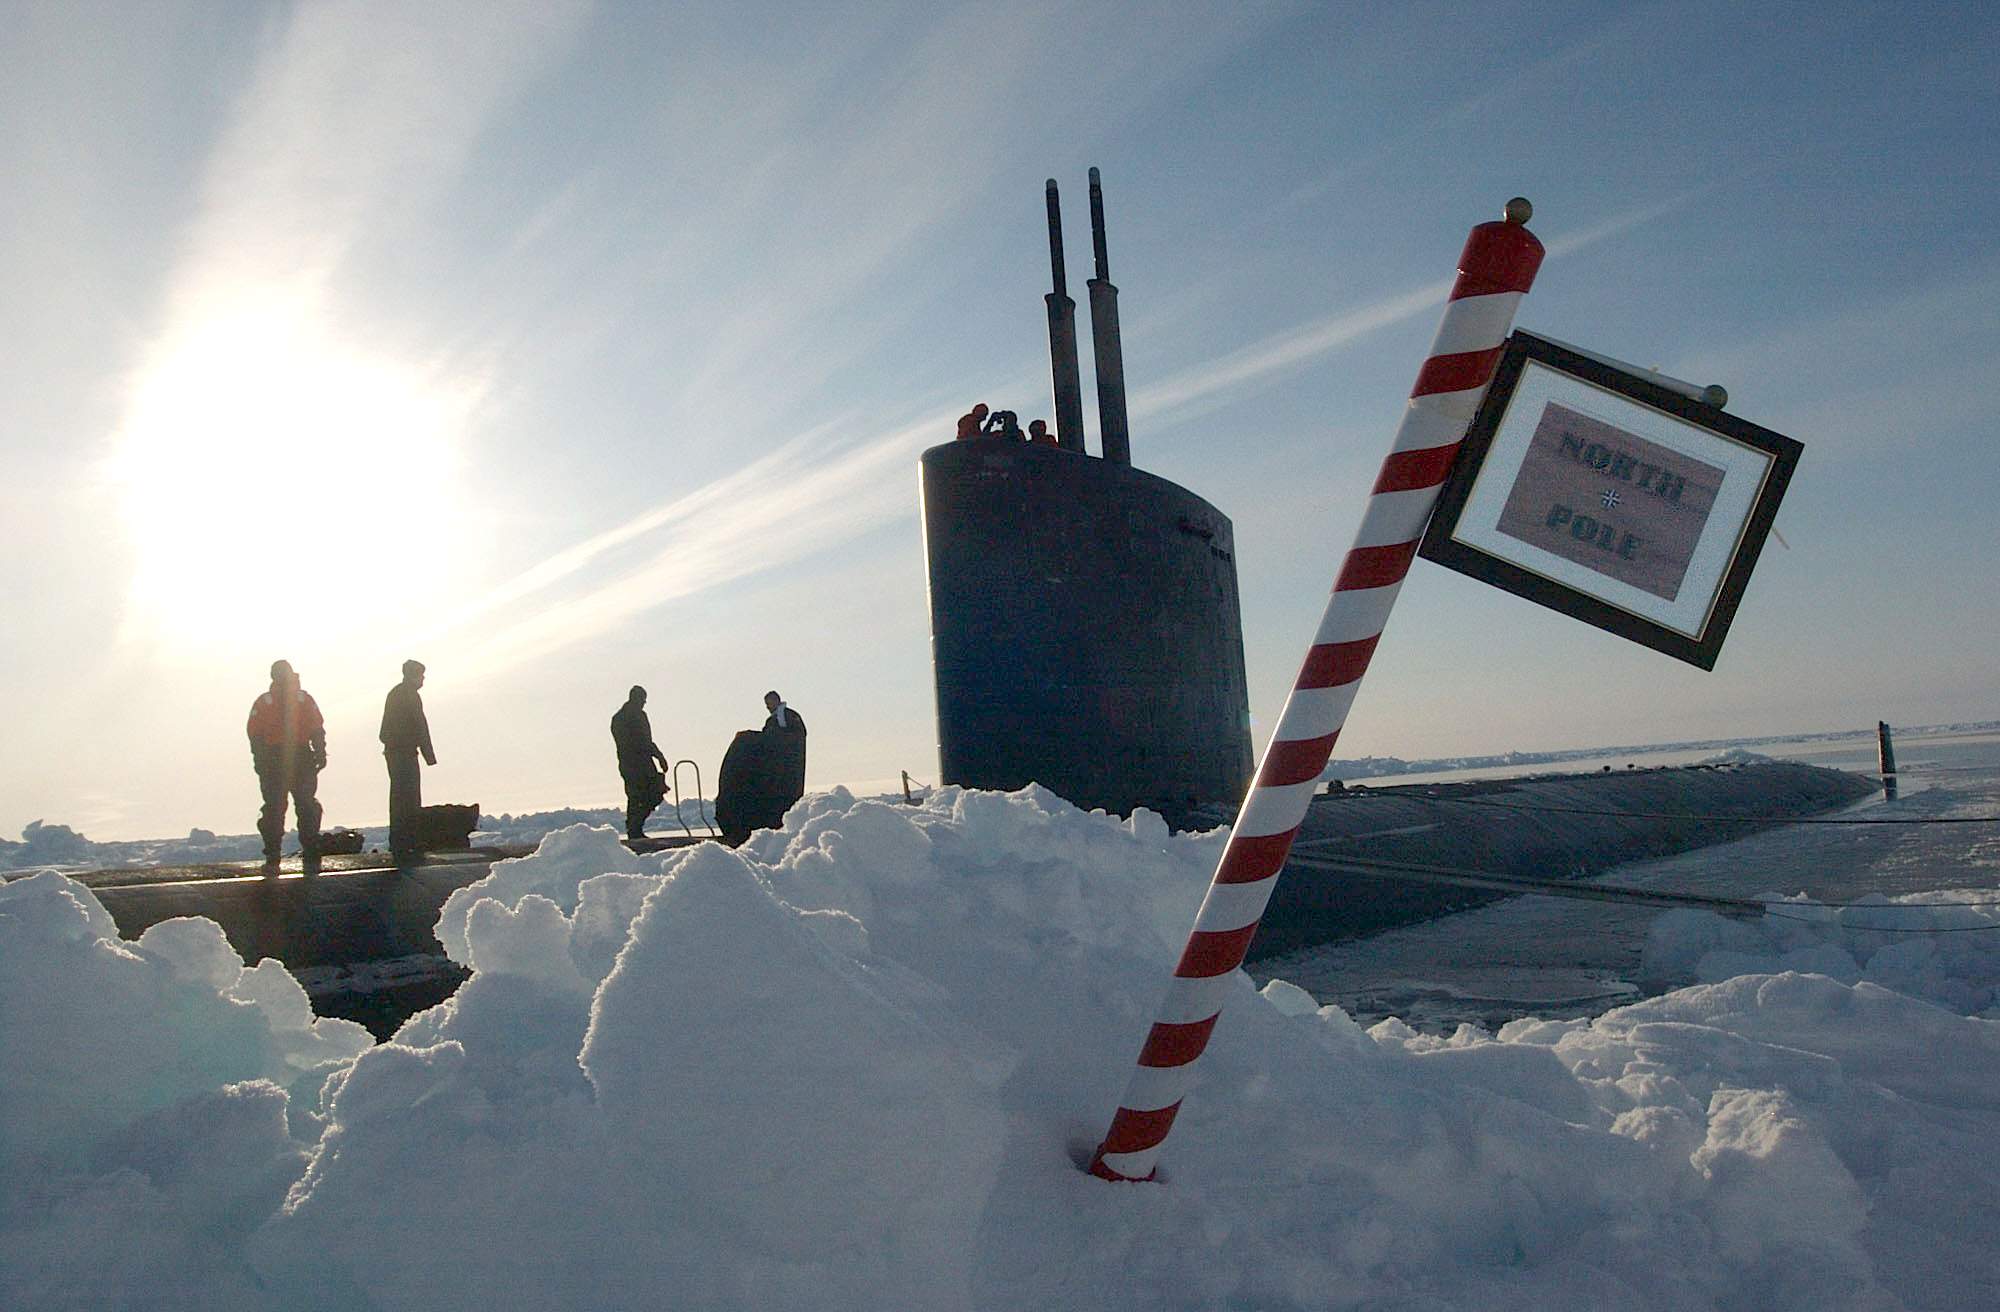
288,749
972,423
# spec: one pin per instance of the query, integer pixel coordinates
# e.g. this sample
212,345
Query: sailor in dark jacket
641,763
762,774
785,729
405,734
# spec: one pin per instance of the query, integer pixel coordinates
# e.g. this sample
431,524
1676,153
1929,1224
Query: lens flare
267,469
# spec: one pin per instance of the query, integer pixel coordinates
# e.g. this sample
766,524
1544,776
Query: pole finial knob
1518,210
1715,394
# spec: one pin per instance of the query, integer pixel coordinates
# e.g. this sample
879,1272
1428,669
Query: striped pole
1496,269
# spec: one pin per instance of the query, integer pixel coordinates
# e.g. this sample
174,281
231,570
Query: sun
270,474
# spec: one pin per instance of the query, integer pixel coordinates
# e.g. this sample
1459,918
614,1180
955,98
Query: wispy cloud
267,375
836,191
800,499
736,488
347,124
1309,341
1283,350
1617,225
1911,368
1499,90
796,502
766,218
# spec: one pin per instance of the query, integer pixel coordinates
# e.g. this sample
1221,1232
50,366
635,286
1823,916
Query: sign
1600,493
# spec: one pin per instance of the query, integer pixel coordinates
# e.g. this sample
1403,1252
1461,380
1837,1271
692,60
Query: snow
855,1063
1930,946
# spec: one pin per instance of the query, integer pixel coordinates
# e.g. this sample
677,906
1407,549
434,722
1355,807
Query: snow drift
855,1063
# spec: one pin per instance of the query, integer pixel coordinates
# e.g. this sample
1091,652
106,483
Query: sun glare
268,472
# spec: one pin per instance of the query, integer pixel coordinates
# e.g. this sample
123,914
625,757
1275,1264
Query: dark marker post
1062,339
1113,435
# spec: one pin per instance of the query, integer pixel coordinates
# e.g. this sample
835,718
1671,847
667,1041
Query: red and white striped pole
1494,272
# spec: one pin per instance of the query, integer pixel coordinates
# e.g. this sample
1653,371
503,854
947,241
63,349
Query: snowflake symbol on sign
1610,498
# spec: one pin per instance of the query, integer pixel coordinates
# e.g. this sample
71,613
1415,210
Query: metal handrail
700,812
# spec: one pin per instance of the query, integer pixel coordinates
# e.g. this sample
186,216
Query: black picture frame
1444,544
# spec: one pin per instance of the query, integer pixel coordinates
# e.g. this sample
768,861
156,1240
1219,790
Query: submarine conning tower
1086,632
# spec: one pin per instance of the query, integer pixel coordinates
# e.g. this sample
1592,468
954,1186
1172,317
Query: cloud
1309,341
1283,350
833,191
1500,89
799,500
747,483
264,383
347,122
1625,221
1893,371
766,222
795,502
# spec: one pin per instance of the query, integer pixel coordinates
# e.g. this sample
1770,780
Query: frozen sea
1554,957
855,1064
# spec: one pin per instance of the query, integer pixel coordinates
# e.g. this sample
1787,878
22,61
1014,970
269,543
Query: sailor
972,422
782,718
785,729
762,773
405,734
288,750
641,763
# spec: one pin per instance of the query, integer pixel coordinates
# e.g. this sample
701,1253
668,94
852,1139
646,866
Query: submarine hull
1086,630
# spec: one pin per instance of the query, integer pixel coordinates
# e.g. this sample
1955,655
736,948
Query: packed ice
856,1063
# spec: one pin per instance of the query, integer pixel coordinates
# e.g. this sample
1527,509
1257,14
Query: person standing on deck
405,734
288,750
785,735
641,763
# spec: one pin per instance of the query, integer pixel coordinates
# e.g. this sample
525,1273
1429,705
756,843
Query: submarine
1086,629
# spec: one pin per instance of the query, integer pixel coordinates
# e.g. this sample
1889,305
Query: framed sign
1599,493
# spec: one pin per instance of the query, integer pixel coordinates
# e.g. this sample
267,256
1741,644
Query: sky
567,346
